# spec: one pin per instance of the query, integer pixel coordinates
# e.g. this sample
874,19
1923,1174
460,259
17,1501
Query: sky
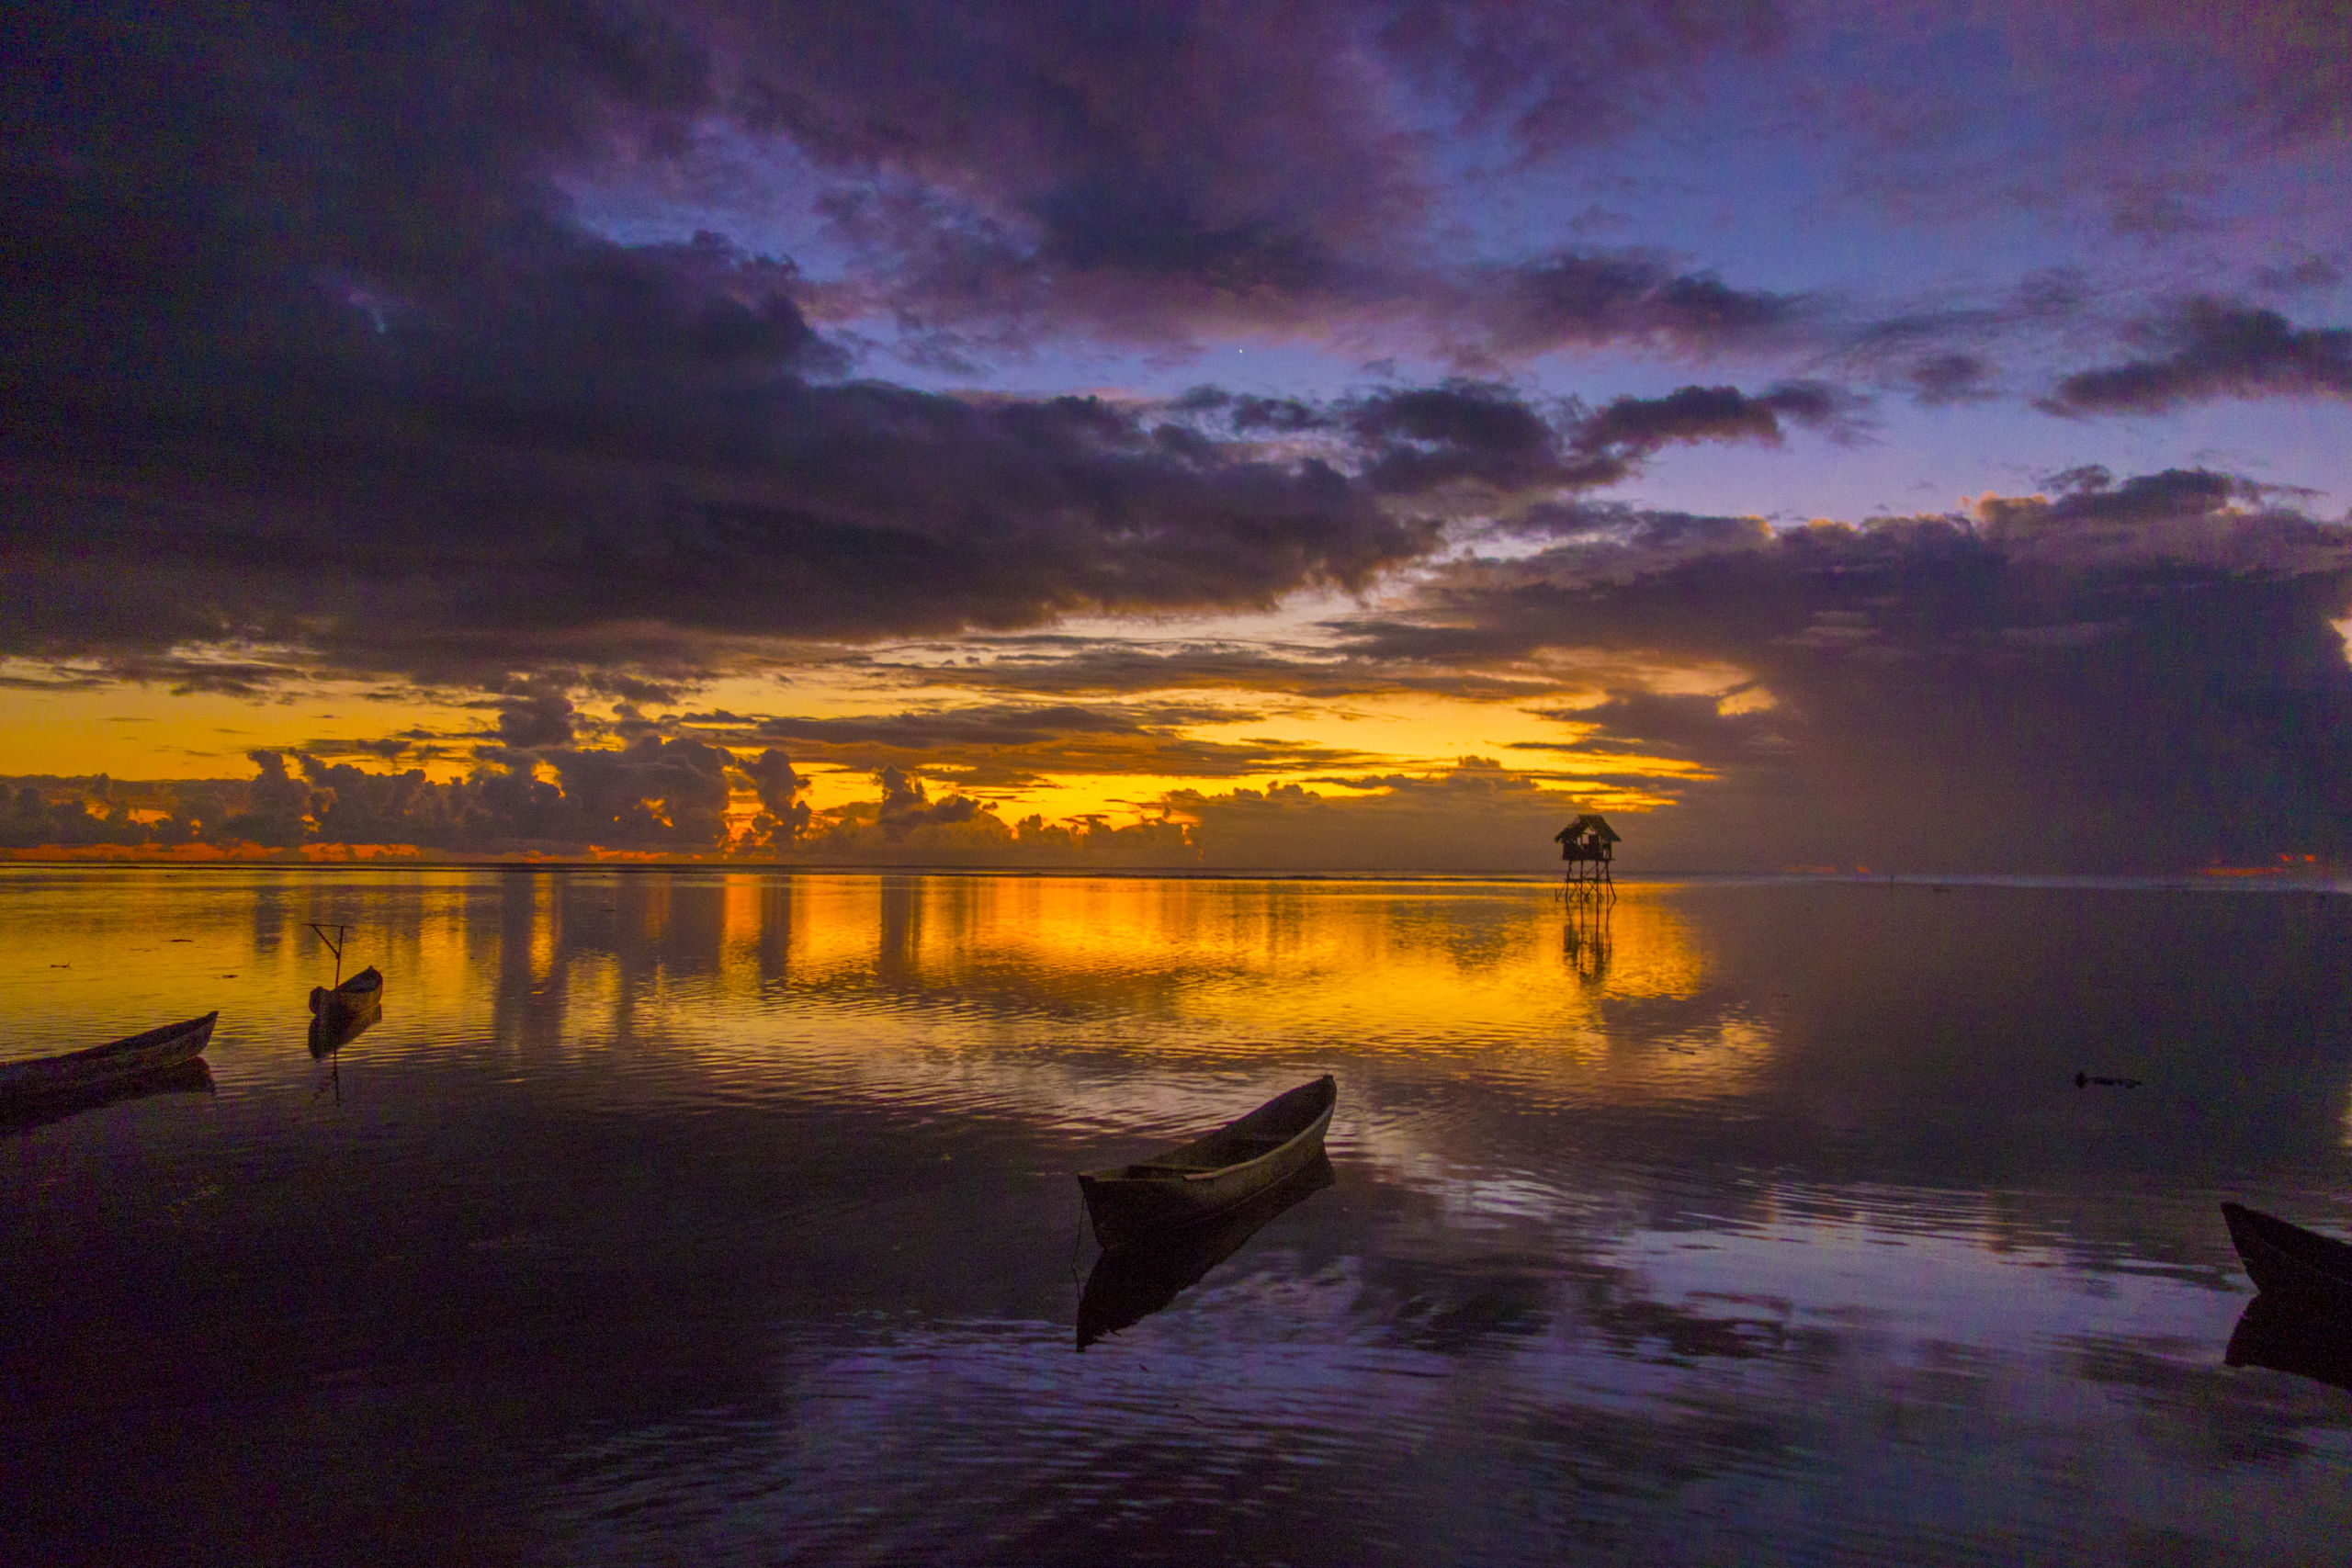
1359,437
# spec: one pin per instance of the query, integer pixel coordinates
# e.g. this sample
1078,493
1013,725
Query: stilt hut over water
1588,844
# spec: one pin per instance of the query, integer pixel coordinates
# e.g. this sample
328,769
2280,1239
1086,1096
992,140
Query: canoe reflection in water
334,1029
1131,1283
2288,1336
185,1077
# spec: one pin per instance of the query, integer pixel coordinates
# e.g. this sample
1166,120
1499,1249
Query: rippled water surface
723,1218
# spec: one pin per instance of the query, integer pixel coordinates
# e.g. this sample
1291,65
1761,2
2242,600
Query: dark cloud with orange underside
367,390
2131,676
366,370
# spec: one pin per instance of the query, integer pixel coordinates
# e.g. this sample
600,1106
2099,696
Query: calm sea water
723,1218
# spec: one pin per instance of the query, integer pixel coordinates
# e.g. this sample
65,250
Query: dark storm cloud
1950,378
302,344
775,782
782,816
1418,440
1149,171
1583,298
1072,667
1695,726
1009,745
535,717
2211,348
2136,675
996,725
1637,426
1252,415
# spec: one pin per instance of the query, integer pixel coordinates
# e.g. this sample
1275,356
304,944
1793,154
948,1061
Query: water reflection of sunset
1222,968
1805,1158
872,980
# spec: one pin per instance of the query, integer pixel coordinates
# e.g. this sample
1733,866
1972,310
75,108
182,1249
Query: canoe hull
1129,1203
358,994
2291,1263
100,1067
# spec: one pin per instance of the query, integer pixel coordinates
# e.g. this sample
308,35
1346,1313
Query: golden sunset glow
1237,965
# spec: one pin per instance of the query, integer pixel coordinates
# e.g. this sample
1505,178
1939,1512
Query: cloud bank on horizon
1330,434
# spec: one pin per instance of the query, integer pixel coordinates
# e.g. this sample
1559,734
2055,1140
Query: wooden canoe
78,1071
2291,1263
2284,1337
349,1000
1132,1282
1202,1179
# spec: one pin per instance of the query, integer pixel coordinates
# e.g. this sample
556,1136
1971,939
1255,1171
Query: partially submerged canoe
78,1071
349,1000
2291,1263
1131,1283
1202,1179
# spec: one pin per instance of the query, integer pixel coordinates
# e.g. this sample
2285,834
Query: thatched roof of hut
1592,824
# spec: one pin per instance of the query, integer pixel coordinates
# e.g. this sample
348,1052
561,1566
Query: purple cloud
2210,348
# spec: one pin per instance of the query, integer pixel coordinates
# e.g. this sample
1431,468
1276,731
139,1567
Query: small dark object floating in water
1202,1179
2084,1080
2295,1265
1130,1283
347,1001
122,1061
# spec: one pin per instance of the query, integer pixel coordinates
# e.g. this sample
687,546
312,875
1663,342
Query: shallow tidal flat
729,1218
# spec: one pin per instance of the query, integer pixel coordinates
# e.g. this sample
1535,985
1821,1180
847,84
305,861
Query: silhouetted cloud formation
2211,348
365,385
1585,298
1628,428
372,390
2137,676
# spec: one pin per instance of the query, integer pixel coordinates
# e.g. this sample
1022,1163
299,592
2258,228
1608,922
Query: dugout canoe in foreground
1197,1181
103,1067
342,1004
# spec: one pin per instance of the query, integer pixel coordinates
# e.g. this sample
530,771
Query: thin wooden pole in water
334,945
